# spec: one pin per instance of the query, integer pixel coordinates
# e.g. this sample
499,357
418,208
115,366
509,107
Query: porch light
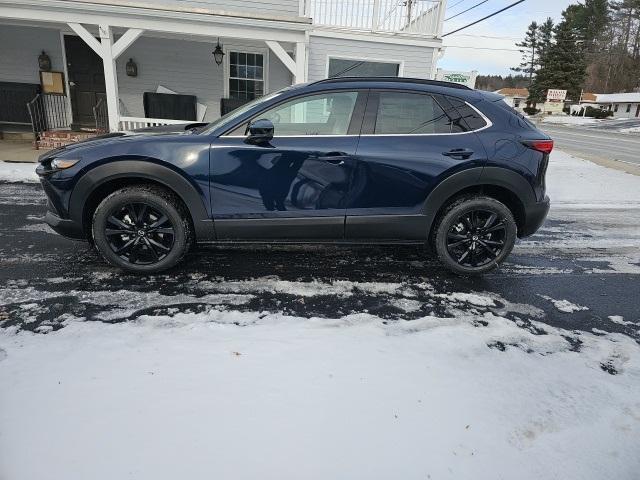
44,62
218,54
132,68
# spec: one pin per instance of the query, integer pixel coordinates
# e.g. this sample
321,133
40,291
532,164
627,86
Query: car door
410,141
294,186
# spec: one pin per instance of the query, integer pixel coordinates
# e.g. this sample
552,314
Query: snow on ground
570,120
630,130
223,394
572,181
18,172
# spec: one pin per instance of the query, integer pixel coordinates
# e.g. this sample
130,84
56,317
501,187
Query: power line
483,48
465,11
485,18
456,4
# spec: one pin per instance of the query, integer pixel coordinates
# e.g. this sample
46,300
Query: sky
472,50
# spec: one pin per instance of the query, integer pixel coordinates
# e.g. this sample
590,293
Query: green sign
456,77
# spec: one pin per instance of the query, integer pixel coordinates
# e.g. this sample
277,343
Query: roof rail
423,81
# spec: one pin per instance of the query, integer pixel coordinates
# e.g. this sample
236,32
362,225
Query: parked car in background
344,160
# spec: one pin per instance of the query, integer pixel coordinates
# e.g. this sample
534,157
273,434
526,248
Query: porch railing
101,116
48,112
131,123
411,17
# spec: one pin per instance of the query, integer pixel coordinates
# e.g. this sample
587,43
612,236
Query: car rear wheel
142,229
475,234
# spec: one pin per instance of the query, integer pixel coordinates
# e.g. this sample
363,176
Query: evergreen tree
564,66
528,48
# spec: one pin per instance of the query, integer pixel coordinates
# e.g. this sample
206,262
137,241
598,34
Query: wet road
580,272
597,143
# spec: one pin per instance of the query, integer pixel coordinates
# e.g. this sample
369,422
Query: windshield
232,115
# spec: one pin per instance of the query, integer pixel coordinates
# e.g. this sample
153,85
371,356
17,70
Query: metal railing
101,116
411,17
48,112
132,123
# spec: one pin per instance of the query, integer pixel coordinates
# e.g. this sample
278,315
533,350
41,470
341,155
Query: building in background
118,64
515,97
623,105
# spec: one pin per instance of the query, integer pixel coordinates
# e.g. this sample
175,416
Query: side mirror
260,131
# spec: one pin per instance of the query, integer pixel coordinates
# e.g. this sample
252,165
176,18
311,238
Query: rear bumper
535,214
65,227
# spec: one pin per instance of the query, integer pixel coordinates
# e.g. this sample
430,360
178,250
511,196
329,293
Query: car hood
178,129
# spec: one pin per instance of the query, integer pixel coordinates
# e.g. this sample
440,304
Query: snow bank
630,130
570,120
225,394
573,181
18,172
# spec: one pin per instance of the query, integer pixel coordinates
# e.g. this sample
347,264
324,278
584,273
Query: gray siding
288,8
19,51
185,67
417,60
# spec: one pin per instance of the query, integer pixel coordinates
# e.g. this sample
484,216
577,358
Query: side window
322,114
404,113
472,118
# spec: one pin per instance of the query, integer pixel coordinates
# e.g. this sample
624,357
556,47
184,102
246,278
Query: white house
131,63
623,105
515,97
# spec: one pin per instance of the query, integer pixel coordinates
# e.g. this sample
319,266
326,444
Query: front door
409,142
295,186
86,80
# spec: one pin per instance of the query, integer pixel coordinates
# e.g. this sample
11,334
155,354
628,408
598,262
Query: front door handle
463,153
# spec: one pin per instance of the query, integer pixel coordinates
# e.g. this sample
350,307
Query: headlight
62,163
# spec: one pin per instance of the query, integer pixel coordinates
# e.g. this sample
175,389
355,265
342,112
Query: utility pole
409,8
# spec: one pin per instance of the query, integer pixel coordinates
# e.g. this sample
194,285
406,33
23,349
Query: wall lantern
44,62
132,68
218,54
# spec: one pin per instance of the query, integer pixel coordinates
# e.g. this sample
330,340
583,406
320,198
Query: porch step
60,138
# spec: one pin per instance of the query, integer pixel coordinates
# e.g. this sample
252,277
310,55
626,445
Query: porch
141,57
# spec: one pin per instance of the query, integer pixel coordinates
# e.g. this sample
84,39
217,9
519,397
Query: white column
110,77
300,74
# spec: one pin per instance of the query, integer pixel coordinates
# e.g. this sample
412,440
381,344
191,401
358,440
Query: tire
474,235
142,229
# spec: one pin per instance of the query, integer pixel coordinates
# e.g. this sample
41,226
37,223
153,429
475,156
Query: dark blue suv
345,160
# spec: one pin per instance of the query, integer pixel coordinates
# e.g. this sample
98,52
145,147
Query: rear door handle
459,152
334,158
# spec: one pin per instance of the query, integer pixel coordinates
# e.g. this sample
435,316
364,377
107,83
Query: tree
528,49
563,65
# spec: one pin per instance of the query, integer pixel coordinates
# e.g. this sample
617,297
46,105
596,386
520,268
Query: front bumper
535,214
65,227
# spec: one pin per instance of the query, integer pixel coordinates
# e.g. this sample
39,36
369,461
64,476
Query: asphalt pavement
580,272
597,143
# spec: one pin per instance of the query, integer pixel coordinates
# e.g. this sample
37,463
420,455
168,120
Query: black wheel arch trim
123,169
476,177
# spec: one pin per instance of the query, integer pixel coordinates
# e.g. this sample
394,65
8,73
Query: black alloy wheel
476,238
142,229
474,235
139,233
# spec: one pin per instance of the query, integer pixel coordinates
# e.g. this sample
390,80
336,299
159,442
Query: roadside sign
465,78
556,95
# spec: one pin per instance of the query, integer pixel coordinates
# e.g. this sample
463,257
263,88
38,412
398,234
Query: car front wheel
475,235
142,229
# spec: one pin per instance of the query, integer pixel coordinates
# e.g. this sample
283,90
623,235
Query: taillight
544,146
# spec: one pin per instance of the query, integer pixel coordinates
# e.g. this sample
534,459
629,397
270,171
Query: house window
246,75
628,107
615,108
340,67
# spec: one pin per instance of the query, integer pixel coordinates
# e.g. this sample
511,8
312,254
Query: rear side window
522,121
468,114
403,113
